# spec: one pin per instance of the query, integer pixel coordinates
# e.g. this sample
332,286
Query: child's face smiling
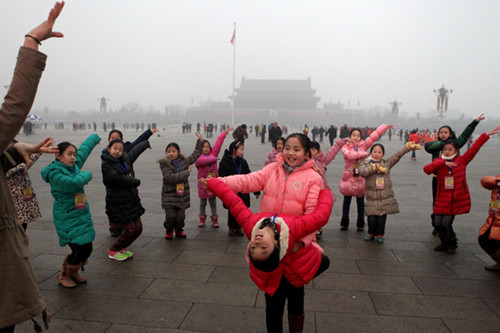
293,153
172,153
355,137
314,152
262,244
116,150
68,156
377,153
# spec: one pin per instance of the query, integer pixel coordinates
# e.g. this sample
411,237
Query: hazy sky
172,52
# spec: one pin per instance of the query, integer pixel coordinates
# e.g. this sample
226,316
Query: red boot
215,221
203,218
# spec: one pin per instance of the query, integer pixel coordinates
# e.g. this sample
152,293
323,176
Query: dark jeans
79,253
275,305
174,218
231,221
347,205
376,224
130,233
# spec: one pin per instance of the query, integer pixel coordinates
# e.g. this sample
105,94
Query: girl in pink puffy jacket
290,185
351,184
207,165
278,146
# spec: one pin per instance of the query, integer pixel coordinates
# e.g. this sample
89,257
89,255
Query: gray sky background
175,52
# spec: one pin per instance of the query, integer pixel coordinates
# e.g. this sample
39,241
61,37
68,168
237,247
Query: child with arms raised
123,205
71,210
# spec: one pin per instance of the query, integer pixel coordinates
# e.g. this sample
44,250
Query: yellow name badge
80,201
495,207
379,183
179,189
448,183
28,193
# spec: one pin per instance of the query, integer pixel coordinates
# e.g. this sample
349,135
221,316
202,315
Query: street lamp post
442,102
395,108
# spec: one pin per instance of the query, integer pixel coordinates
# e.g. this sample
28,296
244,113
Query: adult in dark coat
275,132
263,134
20,297
240,133
344,131
332,134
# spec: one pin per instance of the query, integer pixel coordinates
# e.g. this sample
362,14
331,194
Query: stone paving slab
201,284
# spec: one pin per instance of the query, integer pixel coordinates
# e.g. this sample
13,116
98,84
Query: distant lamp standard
395,108
103,105
442,102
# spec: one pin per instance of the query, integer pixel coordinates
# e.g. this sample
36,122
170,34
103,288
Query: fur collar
284,231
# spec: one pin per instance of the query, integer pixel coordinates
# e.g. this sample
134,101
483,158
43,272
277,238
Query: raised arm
394,159
135,152
376,134
191,159
464,137
86,148
237,207
332,152
218,143
474,149
141,138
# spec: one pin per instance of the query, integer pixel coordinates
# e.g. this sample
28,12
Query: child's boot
344,223
179,233
77,277
495,256
64,276
295,323
203,218
215,221
360,224
451,246
169,234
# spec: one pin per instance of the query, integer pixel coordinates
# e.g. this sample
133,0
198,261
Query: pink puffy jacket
207,164
271,156
349,184
294,194
299,262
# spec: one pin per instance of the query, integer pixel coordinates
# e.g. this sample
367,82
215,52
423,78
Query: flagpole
234,71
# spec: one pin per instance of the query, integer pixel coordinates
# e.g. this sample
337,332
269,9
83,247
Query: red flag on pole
234,36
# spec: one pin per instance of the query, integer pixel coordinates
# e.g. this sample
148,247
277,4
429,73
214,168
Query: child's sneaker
169,234
117,255
180,233
369,237
130,254
380,238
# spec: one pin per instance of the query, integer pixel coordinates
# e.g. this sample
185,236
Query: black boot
451,246
360,224
344,223
295,323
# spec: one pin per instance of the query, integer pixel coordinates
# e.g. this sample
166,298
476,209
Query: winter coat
274,133
454,201
66,182
351,185
299,262
271,156
435,147
380,201
20,297
240,134
123,204
322,160
238,166
207,164
173,176
130,145
493,220
19,180
295,193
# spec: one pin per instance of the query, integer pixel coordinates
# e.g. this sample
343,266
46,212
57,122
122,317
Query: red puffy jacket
457,200
299,262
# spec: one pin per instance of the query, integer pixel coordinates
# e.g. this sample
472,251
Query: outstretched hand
229,129
496,130
481,117
200,137
44,30
26,149
391,126
203,182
